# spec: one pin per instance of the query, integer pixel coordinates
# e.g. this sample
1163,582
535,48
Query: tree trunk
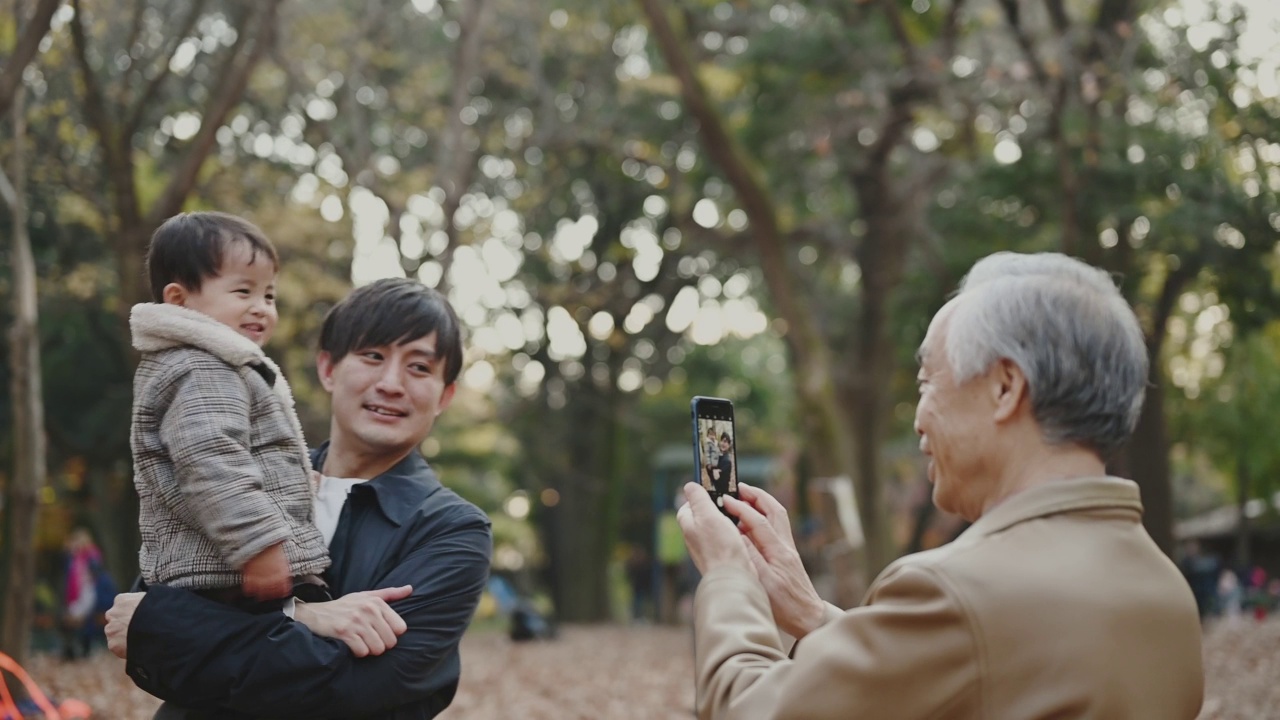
456,163
1147,453
28,412
922,516
1148,462
868,421
826,422
578,528
577,557
114,511
1242,550
131,225
28,45
890,207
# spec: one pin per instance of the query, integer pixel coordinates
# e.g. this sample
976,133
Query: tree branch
456,161
115,150
140,106
1012,15
813,379
7,192
235,79
899,31
28,45
755,201
135,27
1169,293
951,28
1058,16
1057,88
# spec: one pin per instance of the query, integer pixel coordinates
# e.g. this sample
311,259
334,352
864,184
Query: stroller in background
38,705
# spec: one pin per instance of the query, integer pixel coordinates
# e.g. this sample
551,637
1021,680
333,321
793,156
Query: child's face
242,296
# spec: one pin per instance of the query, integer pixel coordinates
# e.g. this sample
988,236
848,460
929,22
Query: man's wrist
813,617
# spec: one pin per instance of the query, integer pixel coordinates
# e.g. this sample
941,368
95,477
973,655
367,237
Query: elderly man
1055,603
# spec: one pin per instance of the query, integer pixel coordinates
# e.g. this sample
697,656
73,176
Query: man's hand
797,608
362,620
712,539
266,575
118,619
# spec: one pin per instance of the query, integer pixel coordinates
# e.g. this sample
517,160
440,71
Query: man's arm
195,653
908,654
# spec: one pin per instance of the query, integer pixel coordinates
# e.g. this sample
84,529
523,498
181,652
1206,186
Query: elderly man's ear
1008,389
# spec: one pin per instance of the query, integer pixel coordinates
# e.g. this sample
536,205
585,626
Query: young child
710,457
222,471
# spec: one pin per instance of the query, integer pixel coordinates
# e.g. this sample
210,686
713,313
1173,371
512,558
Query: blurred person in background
81,600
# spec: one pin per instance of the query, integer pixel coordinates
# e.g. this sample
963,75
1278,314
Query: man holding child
407,558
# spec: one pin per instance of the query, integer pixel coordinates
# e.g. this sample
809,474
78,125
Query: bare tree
116,111
845,407
33,32
28,410
457,163
115,114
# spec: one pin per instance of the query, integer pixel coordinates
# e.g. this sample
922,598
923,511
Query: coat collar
1059,496
400,490
160,326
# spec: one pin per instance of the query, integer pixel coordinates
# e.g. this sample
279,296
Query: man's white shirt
331,495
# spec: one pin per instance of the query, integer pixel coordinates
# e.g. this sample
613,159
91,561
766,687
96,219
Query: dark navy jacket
400,528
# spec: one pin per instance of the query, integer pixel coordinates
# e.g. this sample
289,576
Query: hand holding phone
715,448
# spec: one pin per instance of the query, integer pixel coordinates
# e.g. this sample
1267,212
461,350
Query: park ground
634,673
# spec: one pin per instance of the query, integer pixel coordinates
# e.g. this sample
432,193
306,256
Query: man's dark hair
393,311
724,437
189,248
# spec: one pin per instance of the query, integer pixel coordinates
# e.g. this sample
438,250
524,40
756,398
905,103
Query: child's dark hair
393,311
188,248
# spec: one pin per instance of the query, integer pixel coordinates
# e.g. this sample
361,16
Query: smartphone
715,448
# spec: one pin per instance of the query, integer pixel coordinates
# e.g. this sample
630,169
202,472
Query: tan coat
1055,604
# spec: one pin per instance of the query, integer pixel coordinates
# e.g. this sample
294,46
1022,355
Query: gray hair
1067,327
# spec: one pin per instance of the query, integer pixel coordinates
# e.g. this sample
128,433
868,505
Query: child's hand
266,576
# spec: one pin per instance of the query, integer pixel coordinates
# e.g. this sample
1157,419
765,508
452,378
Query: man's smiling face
386,399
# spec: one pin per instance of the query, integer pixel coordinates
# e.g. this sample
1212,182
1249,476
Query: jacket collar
1059,496
400,490
160,326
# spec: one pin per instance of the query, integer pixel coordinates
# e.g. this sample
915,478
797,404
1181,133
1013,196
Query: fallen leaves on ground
99,681
626,673
619,673
1242,670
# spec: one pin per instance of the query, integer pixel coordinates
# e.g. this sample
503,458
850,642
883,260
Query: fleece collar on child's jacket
161,326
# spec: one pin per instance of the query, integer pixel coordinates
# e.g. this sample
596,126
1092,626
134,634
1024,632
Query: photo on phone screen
715,447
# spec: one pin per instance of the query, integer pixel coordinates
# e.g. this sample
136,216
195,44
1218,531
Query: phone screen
715,447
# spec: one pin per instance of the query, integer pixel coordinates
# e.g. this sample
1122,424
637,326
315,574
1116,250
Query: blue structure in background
673,466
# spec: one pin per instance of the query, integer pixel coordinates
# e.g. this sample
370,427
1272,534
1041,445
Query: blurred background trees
631,202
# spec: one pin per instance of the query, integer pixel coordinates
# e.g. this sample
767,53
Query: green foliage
568,116
1230,417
